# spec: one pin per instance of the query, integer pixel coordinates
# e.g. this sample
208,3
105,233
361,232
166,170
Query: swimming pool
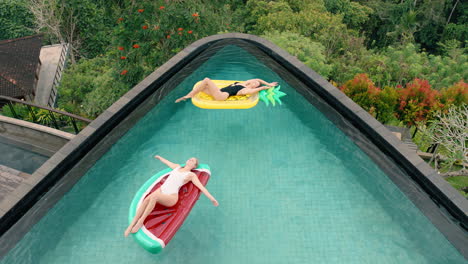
19,158
292,188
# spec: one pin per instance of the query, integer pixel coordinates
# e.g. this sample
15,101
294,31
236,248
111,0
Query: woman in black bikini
237,88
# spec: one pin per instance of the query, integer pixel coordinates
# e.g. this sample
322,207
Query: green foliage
459,182
19,111
386,105
15,19
144,36
107,91
309,52
381,29
398,65
456,27
309,19
84,24
443,71
92,26
354,14
403,64
51,119
358,60
455,32
254,9
420,138
79,80
432,17
421,22
35,115
451,47
149,33
327,35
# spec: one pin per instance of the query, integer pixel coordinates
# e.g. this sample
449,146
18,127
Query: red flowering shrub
123,72
159,31
123,57
362,91
418,102
121,48
196,16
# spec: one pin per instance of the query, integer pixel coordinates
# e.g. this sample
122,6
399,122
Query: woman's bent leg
139,213
207,86
214,91
149,207
156,197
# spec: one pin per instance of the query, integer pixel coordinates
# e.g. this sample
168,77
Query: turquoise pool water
292,188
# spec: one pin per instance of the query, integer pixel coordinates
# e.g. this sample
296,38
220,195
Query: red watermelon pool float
163,222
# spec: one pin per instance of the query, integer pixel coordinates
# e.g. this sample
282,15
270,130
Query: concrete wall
37,138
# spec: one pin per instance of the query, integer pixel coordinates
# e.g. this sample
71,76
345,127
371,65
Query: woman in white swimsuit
167,194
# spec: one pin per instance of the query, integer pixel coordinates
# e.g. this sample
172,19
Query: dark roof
18,62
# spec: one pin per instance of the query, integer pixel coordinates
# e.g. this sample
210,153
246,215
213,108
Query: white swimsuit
174,181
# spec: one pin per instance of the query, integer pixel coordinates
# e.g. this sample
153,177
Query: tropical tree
81,79
354,14
80,23
311,53
15,19
145,35
148,33
451,132
308,18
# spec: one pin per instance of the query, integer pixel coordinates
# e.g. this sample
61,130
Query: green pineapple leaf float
272,95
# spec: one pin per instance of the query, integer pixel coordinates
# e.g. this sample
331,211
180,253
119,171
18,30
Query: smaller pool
19,157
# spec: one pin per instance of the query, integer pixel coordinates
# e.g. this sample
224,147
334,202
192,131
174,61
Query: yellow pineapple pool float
206,101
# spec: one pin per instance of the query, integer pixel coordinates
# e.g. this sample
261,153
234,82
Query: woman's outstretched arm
196,181
253,90
266,83
168,163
